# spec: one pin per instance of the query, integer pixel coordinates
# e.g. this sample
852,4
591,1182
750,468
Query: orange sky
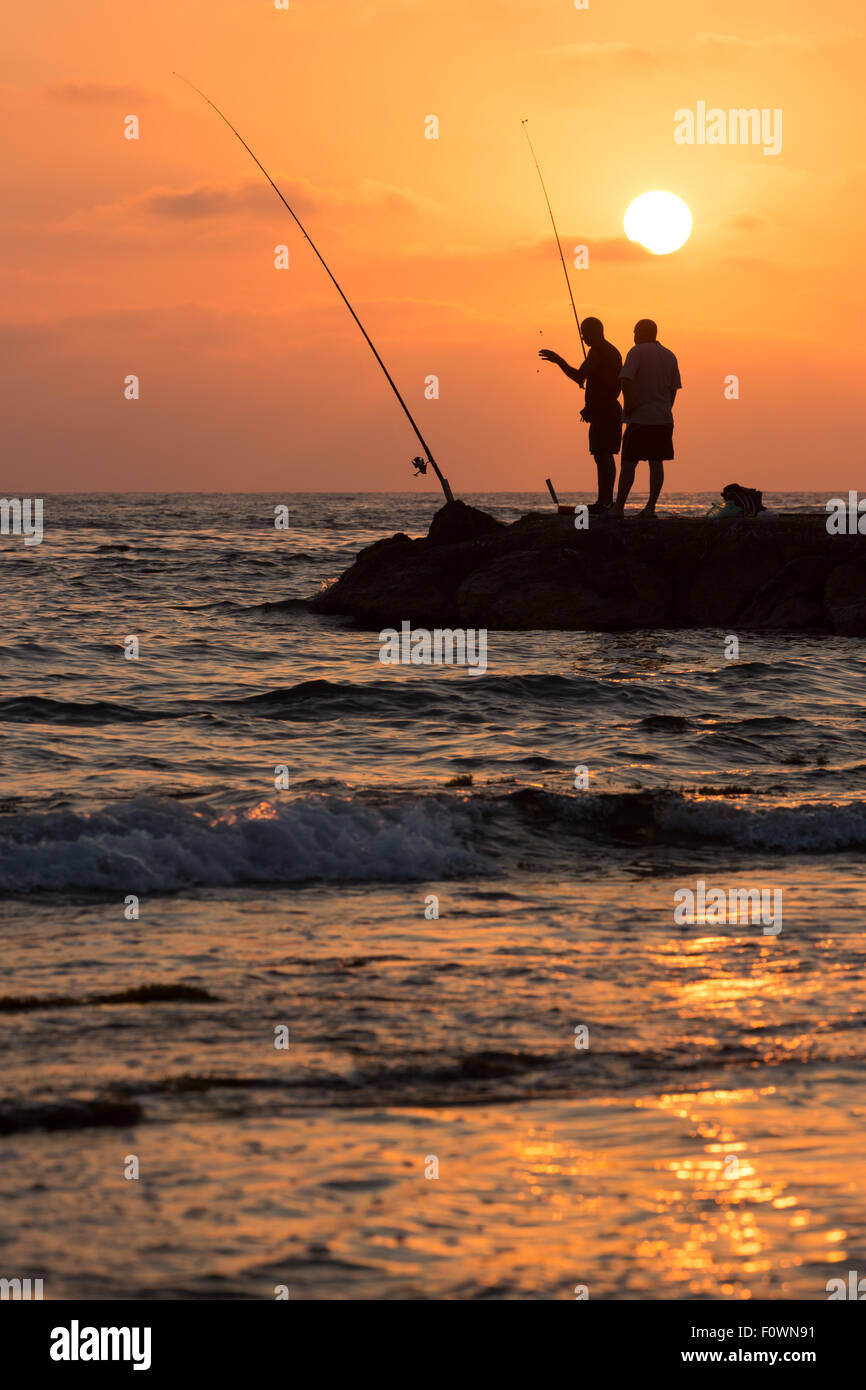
155,256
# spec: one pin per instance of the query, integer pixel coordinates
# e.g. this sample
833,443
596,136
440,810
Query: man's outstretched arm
577,374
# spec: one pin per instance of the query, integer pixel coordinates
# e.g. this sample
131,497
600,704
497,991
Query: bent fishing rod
556,235
420,463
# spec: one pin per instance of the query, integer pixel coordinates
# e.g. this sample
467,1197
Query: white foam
808,829
160,846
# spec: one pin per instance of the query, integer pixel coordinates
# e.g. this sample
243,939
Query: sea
330,979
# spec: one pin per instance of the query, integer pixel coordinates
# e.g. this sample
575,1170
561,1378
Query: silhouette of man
600,376
650,379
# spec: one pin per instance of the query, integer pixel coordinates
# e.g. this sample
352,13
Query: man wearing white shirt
650,379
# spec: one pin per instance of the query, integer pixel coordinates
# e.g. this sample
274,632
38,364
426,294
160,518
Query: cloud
95,93
389,195
594,50
747,222
526,253
613,249
608,249
767,265
806,43
253,196
668,52
210,200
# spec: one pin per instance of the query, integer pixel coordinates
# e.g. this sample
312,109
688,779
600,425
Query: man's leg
656,479
626,478
606,469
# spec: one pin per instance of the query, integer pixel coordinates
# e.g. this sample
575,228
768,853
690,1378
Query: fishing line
556,235
421,464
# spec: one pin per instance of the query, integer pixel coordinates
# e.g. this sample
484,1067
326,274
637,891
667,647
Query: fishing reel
420,466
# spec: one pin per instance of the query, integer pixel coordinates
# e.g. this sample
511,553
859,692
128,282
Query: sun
659,221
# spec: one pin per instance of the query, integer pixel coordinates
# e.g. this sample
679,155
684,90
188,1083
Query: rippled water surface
700,1140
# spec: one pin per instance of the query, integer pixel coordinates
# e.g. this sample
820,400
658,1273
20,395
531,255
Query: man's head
592,331
645,331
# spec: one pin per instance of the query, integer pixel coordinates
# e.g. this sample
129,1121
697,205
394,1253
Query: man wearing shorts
599,374
650,380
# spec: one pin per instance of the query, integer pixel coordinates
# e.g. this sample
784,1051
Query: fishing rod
556,235
420,463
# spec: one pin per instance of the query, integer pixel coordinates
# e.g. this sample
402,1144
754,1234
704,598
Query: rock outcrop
779,572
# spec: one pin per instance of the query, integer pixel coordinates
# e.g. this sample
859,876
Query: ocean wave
40,709
477,1077
673,819
324,699
137,994
451,694
17,1117
281,605
808,829
149,845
